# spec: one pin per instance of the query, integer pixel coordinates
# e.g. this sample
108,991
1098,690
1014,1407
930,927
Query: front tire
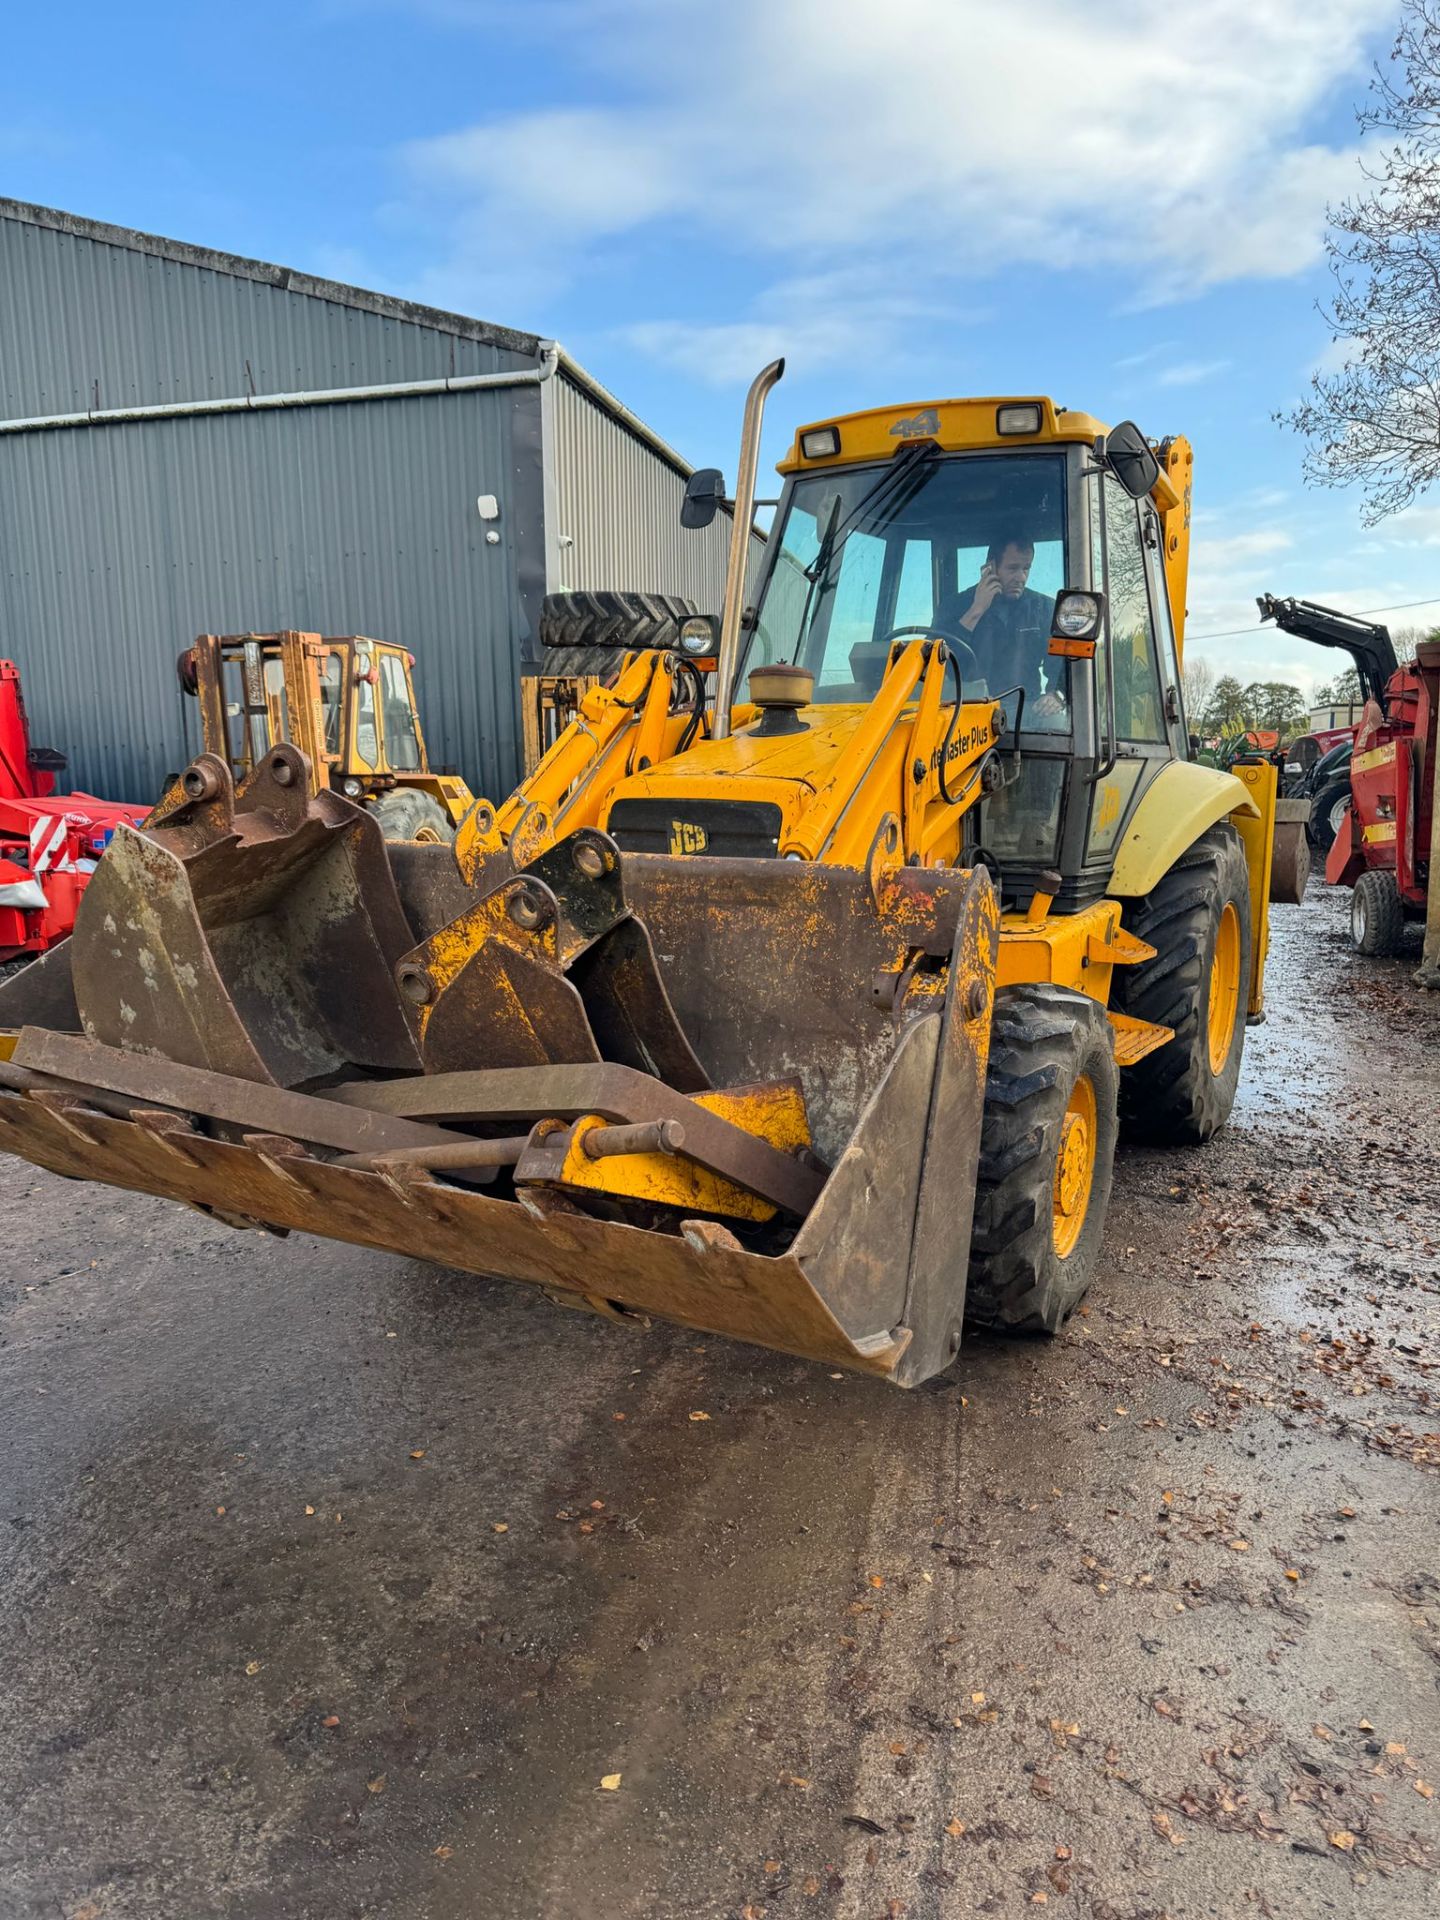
1197,917
1377,917
1047,1154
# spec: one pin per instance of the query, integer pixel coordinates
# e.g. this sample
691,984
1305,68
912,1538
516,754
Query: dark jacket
1011,641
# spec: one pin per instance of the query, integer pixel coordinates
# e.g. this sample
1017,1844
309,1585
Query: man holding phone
1008,627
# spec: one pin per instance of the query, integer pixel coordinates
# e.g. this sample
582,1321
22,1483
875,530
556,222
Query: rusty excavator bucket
744,1095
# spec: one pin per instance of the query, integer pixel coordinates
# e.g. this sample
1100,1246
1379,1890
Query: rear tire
612,619
1197,917
1047,1154
1377,915
409,813
1327,813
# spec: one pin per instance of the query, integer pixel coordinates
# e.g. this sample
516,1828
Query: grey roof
287,279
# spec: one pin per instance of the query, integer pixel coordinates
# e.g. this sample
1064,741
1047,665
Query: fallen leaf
793,1780
955,1828
443,1853
610,1781
977,1699
617,1416
500,1526
1424,1789
1321,1733
772,1866
597,1506
1343,1839
1292,1573
377,1785
1161,1823
1041,1786
417,1453
309,1509
1238,1546
252,1666
1062,1853
877,1579
89,1911
1394,1746
897,1746
331,1720
810,1885
699,1416
219,1510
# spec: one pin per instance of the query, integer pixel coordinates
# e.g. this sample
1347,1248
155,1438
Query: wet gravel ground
336,1585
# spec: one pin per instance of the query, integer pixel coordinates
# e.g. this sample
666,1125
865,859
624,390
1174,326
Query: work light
820,443
1024,419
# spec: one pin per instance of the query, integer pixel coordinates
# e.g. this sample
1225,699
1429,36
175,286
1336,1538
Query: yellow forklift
348,704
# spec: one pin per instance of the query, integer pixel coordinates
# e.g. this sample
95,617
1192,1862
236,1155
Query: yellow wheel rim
1074,1167
1224,988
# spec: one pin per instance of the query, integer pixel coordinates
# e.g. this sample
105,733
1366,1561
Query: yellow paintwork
774,1112
843,782
1224,999
8,1037
1172,501
1257,830
1378,833
1376,757
954,425
1075,950
1179,804
1074,1167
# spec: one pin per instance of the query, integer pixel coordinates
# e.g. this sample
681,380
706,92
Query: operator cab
892,525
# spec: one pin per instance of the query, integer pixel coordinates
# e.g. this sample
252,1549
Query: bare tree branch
1376,419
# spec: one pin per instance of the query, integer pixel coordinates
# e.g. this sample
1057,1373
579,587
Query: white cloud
821,320
934,138
1189,373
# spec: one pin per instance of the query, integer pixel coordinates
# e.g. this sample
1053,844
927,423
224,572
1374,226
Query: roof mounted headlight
820,443
1023,419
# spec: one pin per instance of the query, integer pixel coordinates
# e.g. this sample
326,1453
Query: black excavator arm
1369,646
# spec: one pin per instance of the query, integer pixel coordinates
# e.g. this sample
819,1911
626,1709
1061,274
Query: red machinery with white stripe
1384,845
49,842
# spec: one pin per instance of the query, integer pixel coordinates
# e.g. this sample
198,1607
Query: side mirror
704,496
1129,457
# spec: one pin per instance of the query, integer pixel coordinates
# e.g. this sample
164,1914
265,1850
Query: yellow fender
1176,808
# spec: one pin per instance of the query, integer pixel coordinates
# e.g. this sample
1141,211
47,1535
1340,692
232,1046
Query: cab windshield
863,551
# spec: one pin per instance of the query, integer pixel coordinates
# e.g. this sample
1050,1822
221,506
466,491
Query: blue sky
1119,204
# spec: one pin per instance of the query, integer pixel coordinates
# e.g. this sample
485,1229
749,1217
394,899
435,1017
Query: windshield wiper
902,477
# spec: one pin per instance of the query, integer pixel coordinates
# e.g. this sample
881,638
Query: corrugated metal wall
617,510
89,324
119,543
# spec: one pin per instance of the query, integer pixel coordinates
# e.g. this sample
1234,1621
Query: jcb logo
687,838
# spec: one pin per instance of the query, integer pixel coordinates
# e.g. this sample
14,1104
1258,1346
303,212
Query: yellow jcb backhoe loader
811,1018
348,704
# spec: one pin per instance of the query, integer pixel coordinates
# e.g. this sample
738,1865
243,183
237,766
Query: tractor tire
1047,1156
1327,813
409,813
617,620
1197,917
1377,915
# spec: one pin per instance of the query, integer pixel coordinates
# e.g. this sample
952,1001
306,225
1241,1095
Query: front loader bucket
808,1188
255,933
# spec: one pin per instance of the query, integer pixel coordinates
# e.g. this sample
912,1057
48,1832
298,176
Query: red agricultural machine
49,842
1382,844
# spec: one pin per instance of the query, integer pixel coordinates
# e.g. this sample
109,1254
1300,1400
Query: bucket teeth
254,933
549,967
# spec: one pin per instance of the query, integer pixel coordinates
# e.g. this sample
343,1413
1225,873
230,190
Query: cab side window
1139,705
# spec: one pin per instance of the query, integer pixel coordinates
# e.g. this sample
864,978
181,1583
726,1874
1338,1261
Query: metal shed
191,441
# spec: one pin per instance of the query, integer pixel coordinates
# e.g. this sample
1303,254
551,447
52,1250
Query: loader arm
1368,645
617,730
